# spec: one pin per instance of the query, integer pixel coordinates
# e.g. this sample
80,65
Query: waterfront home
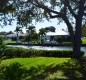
11,36
51,37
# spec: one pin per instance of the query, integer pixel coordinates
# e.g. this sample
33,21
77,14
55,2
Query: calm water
49,48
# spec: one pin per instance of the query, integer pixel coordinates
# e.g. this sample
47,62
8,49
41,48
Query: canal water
49,47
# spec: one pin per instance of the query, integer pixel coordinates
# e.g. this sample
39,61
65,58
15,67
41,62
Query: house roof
57,33
14,35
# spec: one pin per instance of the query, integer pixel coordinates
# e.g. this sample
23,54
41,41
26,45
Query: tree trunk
17,38
77,47
77,36
30,37
77,39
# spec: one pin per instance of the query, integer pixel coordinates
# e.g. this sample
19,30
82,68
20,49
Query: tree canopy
43,31
6,12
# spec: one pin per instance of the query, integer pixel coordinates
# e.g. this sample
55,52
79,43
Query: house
51,37
11,36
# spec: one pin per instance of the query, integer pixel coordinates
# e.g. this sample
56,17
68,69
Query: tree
10,32
18,29
52,29
31,30
3,33
72,12
6,12
43,31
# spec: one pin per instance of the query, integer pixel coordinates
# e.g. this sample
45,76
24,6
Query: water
49,47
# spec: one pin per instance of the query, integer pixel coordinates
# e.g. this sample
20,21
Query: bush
12,52
2,46
12,72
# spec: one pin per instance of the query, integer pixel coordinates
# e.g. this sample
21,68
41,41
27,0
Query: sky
38,26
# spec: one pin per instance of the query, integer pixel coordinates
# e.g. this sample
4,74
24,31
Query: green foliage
83,40
43,31
51,29
6,12
2,47
14,39
40,69
12,72
84,31
1,40
18,29
12,52
61,39
9,41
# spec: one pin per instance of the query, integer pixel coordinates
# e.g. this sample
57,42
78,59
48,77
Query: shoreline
82,45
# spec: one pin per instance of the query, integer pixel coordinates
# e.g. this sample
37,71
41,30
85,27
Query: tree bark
77,46
17,38
70,29
77,36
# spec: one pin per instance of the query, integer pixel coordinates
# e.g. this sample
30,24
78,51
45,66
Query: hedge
12,52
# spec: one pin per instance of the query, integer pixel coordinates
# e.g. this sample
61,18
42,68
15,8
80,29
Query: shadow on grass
70,70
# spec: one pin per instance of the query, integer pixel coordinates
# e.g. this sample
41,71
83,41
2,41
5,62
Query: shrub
2,46
11,72
12,52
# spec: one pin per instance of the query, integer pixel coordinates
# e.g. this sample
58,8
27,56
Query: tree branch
81,9
70,28
84,14
49,11
70,9
54,16
85,8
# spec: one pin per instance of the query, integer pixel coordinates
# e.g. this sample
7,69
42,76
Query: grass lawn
84,40
9,41
40,68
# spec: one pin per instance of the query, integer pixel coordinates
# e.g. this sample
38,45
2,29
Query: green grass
28,62
9,41
84,40
25,42
40,68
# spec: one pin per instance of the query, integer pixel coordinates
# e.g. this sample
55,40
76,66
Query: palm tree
31,30
43,31
17,30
